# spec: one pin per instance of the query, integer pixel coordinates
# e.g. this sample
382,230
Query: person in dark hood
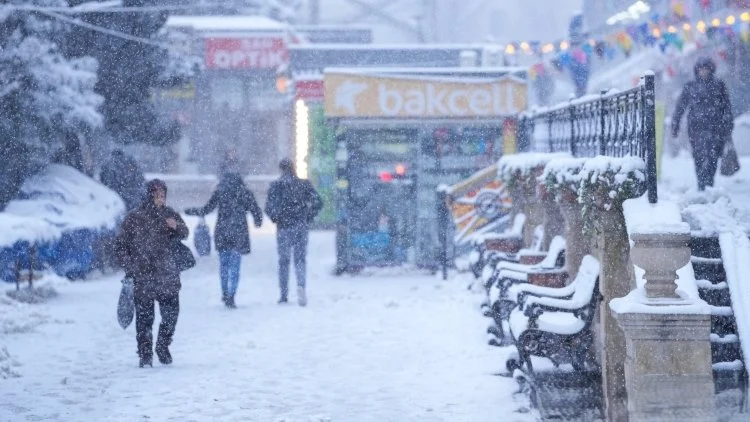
231,237
145,249
710,120
292,205
122,174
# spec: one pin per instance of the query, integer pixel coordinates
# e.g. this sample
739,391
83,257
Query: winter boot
301,296
225,299
230,302
145,355
162,352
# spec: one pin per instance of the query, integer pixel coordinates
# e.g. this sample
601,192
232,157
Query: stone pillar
617,279
554,224
668,365
578,244
534,211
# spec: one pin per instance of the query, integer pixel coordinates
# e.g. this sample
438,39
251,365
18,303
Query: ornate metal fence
613,123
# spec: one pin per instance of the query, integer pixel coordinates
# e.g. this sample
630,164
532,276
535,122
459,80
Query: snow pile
18,317
621,168
662,217
616,178
711,212
14,227
735,249
562,173
70,200
38,294
514,165
7,365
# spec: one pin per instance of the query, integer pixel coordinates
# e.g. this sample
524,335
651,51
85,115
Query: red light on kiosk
386,177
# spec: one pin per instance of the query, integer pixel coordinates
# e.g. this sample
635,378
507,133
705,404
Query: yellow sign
361,95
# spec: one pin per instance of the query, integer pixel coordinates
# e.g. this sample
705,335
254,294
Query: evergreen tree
127,71
47,102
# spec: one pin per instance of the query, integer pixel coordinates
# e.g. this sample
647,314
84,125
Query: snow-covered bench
527,256
487,245
507,274
558,328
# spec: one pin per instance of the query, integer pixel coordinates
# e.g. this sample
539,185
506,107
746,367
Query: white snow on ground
398,347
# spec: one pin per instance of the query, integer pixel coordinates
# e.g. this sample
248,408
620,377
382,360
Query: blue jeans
292,240
229,271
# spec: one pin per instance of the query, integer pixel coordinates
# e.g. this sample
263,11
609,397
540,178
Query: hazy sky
456,20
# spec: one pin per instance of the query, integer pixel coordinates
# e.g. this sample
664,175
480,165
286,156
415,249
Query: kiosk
399,134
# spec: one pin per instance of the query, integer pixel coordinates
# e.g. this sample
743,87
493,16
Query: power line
107,31
113,9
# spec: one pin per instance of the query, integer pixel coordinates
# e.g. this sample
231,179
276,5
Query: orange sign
421,96
477,202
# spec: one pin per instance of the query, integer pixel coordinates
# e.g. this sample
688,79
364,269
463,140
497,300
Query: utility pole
314,12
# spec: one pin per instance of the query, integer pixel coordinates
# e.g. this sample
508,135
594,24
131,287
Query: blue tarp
84,213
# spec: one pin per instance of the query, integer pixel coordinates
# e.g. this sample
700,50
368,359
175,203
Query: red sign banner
310,90
246,53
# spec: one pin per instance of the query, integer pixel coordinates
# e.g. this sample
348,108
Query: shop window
227,92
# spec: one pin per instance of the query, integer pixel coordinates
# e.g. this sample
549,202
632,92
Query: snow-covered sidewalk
384,346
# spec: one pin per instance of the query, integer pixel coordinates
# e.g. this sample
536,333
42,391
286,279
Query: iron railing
614,124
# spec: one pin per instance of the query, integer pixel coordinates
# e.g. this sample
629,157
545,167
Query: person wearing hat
292,205
710,120
233,200
144,247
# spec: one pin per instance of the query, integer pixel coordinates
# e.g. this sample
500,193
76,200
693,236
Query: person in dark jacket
231,237
122,174
292,205
710,121
144,248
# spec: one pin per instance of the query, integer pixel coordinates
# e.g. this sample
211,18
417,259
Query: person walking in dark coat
292,205
231,237
710,121
144,248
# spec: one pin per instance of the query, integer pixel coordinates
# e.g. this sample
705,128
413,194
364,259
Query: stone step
716,294
728,375
703,260
709,271
726,351
707,247
723,324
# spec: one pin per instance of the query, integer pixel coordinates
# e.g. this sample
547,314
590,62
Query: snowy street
390,345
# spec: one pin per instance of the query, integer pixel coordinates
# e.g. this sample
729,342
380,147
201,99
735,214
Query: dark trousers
169,308
707,150
292,241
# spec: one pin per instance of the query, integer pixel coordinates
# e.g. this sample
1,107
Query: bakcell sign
246,53
361,95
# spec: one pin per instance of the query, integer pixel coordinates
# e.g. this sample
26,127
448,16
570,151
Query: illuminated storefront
399,133
241,101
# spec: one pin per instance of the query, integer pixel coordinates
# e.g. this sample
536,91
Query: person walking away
231,237
710,121
144,248
292,205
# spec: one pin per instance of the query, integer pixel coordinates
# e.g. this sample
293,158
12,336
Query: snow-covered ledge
606,183
561,178
666,324
519,173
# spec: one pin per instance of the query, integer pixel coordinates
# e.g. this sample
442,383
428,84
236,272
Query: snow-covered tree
46,100
128,69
